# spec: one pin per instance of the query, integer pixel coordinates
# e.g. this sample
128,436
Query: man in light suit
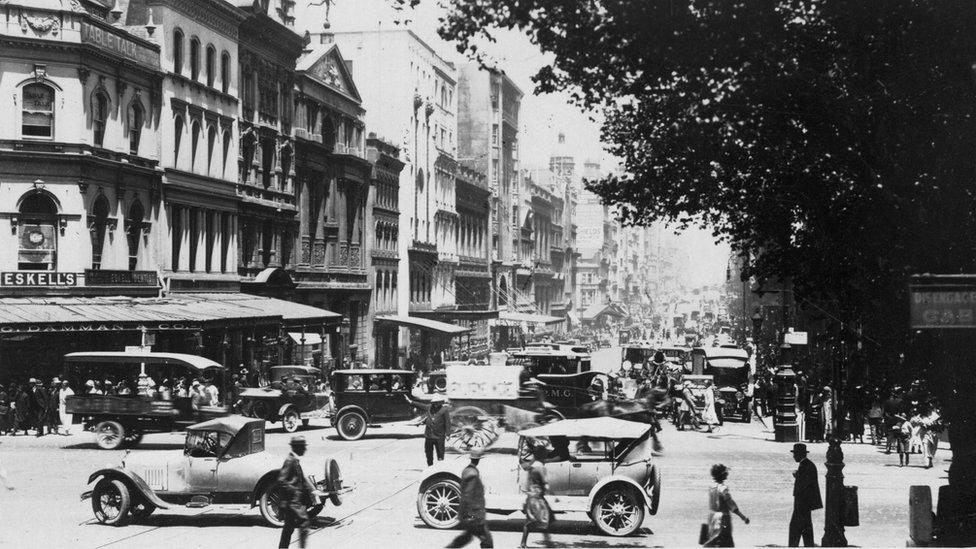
806,498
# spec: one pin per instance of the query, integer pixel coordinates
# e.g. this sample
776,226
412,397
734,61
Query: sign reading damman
38,279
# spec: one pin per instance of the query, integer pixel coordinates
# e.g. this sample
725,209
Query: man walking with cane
806,498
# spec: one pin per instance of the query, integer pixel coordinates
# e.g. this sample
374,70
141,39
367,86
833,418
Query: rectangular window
38,111
176,245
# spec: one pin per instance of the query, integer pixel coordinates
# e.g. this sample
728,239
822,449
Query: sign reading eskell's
41,278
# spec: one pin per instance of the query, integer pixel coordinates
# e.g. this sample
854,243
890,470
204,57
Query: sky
542,117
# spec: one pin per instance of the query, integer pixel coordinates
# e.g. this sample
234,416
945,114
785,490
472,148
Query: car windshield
205,443
559,448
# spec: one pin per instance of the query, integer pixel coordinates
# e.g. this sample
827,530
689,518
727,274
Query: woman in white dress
710,416
721,506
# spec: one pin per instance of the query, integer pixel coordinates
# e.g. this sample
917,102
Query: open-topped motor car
293,397
600,466
223,462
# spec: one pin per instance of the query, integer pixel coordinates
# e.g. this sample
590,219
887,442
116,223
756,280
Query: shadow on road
140,446
568,527
380,436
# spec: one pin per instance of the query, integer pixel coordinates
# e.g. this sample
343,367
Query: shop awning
174,312
311,338
423,323
597,309
529,317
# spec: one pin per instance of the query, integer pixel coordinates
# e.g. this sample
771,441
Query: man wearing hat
296,495
437,423
472,508
806,498
40,404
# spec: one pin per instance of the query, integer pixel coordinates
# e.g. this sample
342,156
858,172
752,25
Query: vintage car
599,466
729,367
366,396
223,462
119,420
293,398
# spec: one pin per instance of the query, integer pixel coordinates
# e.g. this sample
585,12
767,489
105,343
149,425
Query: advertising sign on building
483,382
43,278
941,302
115,41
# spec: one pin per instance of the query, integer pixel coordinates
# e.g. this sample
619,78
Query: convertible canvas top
120,357
596,428
726,357
228,424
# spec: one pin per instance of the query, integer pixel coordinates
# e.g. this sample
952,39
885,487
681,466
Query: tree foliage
836,137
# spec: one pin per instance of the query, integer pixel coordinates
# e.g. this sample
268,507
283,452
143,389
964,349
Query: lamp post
834,504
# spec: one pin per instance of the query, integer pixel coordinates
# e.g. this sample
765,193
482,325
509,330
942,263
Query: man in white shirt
66,418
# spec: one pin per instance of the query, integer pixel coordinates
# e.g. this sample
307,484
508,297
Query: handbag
703,534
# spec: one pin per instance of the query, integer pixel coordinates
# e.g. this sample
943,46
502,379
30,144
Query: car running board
197,502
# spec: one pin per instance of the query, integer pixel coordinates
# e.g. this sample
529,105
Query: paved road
50,473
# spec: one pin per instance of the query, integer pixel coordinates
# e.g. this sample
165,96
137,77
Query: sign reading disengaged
942,302
483,382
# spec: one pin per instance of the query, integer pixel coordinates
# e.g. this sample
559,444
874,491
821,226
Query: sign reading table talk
934,307
483,382
114,41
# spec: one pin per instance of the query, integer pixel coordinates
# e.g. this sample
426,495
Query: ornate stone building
385,205
333,178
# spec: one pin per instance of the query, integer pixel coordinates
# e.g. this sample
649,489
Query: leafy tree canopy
836,137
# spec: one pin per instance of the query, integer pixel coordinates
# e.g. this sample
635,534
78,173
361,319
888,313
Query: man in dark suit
40,406
297,495
472,508
806,498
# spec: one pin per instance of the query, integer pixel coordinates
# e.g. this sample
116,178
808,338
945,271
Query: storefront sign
120,278
91,327
41,278
114,42
934,307
483,382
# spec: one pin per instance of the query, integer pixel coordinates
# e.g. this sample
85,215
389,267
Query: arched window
177,139
136,120
194,58
133,232
328,133
226,144
225,72
211,65
267,162
194,141
37,232
38,111
211,145
267,243
178,51
99,108
97,225
247,157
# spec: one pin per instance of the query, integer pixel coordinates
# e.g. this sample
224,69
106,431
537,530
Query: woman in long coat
720,508
537,511
710,416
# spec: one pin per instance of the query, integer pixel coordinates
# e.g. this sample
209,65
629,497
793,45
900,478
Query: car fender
349,408
617,479
284,409
132,480
263,482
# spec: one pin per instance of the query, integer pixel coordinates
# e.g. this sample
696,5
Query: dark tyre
439,503
351,425
656,494
109,435
261,410
333,481
618,511
268,504
314,510
291,421
111,502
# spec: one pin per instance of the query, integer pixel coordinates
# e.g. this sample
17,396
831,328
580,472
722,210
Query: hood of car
161,458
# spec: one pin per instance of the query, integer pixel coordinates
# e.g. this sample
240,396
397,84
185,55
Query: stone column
184,237
201,237
232,249
215,226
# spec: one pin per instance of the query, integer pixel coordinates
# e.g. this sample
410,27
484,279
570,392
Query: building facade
384,256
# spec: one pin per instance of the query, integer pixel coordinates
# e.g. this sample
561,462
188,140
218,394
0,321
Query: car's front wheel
111,502
269,503
351,425
291,421
618,511
439,503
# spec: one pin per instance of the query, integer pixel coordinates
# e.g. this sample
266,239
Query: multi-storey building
411,93
488,126
116,188
333,178
385,206
473,282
